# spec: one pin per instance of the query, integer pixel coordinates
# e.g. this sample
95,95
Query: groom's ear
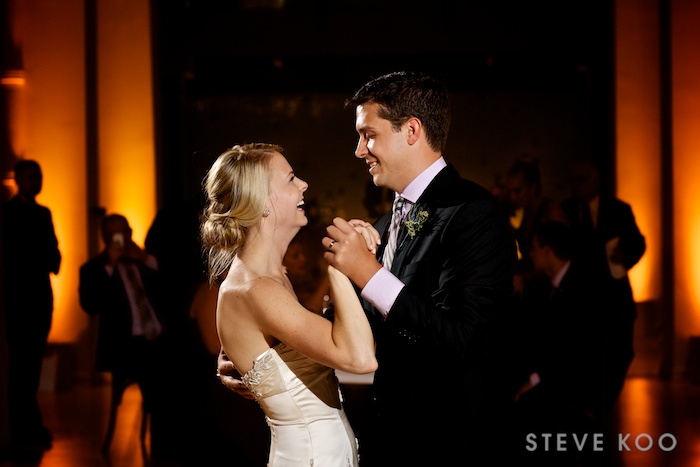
414,127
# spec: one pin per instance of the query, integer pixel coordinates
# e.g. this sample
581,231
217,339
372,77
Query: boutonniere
417,216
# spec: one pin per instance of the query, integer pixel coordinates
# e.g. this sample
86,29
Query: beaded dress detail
302,404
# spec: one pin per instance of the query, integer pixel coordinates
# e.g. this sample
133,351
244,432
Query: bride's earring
266,212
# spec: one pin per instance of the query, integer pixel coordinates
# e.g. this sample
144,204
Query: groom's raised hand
350,249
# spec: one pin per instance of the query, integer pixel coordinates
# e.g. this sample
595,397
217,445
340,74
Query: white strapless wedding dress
302,404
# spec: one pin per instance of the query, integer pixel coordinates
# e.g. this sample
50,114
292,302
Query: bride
286,353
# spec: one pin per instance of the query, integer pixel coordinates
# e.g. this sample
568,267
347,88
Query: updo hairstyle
237,188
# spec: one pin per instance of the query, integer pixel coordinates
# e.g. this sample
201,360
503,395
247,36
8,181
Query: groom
440,310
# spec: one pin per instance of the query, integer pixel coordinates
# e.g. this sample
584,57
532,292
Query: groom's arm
229,376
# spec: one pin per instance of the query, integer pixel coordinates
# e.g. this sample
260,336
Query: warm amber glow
686,164
638,406
642,413
127,154
15,91
638,134
127,442
9,187
638,150
48,123
13,78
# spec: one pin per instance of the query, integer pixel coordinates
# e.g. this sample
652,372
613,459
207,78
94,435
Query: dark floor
662,419
649,409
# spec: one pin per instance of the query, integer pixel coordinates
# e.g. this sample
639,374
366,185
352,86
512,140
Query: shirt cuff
382,290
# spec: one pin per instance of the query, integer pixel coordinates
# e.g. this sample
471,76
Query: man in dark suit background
563,363
30,255
121,285
440,311
608,241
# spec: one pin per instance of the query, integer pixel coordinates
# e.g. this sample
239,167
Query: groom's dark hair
405,94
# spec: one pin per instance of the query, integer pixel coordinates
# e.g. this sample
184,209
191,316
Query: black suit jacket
106,296
30,255
615,219
562,340
565,341
438,349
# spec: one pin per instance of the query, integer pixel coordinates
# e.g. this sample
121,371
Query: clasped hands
351,247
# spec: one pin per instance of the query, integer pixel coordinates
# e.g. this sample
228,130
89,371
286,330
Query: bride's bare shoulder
249,287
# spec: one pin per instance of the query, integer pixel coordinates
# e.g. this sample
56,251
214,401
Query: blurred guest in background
30,255
563,359
526,208
121,285
306,268
173,239
609,242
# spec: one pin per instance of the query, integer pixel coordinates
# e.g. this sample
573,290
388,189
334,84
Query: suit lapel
439,193
431,199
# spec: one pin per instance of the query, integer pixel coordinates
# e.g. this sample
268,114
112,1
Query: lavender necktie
396,218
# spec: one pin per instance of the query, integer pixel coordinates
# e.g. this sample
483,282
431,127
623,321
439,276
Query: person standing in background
122,285
30,256
609,242
563,361
526,208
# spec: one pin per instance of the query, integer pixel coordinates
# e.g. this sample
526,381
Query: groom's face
381,147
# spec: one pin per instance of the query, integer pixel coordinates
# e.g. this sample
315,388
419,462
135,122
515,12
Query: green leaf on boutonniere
417,216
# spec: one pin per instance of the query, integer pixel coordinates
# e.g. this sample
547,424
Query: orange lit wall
639,149
685,15
14,83
50,123
47,114
126,137
638,133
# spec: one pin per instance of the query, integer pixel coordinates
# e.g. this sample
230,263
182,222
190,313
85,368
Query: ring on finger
330,245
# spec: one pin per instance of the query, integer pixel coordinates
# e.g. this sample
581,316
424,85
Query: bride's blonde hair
237,188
